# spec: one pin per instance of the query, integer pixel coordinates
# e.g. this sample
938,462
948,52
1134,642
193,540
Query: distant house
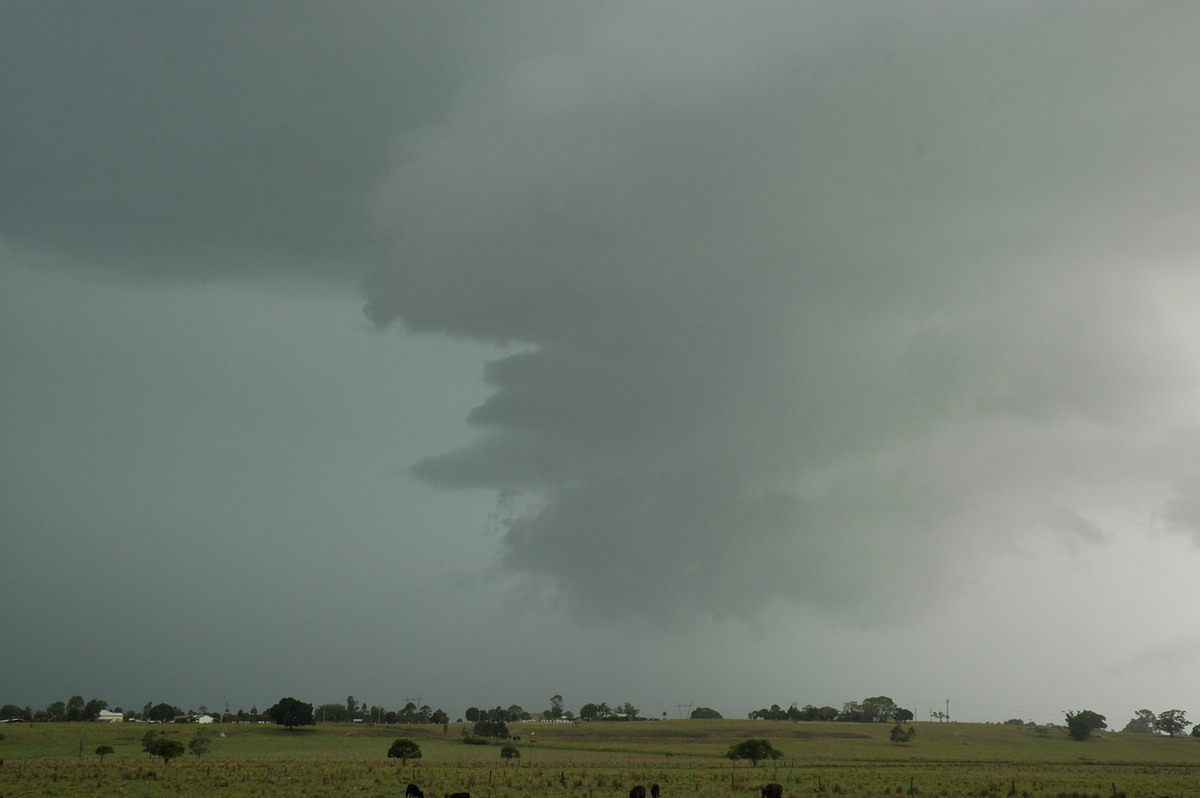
110,717
206,719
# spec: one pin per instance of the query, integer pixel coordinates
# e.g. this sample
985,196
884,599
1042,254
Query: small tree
1081,725
291,712
754,750
162,713
1173,722
103,751
510,752
404,750
166,748
899,735
199,743
148,741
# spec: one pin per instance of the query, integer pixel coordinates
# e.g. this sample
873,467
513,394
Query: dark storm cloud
801,300
801,297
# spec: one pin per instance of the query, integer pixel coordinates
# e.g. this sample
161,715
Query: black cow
459,795
654,791
413,791
772,790
638,792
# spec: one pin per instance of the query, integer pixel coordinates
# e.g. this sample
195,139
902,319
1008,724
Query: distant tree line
602,711
879,709
1171,722
353,710
513,714
75,709
491,723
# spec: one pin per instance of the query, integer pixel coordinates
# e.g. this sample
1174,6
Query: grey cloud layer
798,291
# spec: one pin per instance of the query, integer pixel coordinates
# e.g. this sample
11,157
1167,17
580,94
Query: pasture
602,760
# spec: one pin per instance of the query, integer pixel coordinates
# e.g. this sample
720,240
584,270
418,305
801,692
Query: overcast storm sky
724,354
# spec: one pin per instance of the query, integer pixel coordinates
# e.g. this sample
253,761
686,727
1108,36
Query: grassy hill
602,760
700,740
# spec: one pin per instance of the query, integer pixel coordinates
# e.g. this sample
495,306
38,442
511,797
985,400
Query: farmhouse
109,717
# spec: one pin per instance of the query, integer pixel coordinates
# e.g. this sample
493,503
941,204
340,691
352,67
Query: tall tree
1172,722
879,709
1141,723
1081,725
92,709
291,712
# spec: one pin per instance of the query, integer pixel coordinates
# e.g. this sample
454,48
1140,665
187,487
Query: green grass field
602,760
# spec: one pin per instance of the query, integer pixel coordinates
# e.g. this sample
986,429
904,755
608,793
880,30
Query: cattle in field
638,792
772,790
655,791
413,791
